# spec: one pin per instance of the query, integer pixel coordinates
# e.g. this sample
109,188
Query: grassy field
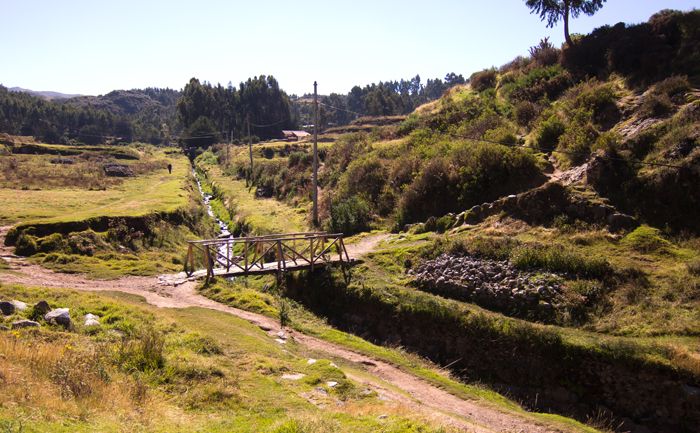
237,204
34,189
175,370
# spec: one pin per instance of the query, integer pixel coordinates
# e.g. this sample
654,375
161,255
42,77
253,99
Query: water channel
223,228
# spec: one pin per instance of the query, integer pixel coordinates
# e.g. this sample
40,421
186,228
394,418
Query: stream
223,228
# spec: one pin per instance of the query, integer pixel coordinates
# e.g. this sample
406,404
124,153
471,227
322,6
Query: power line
273,124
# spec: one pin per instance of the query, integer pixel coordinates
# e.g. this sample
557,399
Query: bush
26,245
483,80
655,105
525,112
544,54
549,132
645,239
349,216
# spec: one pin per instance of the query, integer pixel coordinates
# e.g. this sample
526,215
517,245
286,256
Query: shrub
655,105
577,141
26,245
349,216
544,54
672,86
645,239
549,132
53,242
483,80
525,112
408,125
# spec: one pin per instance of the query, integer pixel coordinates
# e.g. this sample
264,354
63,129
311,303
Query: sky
93,47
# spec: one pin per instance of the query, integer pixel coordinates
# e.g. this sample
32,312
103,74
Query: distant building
294,135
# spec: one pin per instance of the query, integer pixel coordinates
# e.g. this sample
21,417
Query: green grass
253,292
31,199
203,370
258,215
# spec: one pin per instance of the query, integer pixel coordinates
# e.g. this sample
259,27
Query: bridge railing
259,253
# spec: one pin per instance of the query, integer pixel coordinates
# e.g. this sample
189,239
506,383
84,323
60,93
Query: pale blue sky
94,46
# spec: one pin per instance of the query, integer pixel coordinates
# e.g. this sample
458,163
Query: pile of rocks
114,169
58,316
489,282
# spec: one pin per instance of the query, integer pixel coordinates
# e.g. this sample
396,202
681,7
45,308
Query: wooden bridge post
245,254
207,256
311,253
190,258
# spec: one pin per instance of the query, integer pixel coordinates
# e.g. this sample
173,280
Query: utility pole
315,186
250,148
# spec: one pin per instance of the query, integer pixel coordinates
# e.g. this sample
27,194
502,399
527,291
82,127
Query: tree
554,10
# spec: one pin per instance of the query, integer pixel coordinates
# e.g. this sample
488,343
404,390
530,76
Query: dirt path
164,293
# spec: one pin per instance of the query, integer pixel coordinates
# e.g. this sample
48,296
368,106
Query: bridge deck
293,252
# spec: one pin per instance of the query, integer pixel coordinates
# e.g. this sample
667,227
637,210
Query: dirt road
175,291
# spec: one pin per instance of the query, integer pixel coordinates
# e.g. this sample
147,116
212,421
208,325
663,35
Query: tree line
85,120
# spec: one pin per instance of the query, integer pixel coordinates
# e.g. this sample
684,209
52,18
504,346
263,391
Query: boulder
7,308
4,328
24,324
599,212
42,307
91,320
619,220
59,316
19,305
118,170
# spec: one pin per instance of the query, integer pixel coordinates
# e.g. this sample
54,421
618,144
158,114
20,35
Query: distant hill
118,102
49,96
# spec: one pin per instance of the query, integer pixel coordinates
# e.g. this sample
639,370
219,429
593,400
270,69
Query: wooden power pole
315,186
250,148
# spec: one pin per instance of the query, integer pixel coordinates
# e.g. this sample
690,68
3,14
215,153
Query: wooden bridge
265,254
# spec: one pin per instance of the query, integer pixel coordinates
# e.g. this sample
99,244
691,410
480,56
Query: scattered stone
322,391
333,365
42,307
497,284
332,384
114,169
264,327
282,335
4,328
19,305
280,341
383,416
297,376
91,320
311,361
7,308
59,316
24,324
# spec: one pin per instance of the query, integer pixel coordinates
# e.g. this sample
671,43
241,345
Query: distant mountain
46,95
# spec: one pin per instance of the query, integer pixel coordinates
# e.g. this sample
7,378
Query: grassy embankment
73,218
175,370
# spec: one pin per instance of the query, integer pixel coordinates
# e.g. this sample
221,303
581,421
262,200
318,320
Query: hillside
527,244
